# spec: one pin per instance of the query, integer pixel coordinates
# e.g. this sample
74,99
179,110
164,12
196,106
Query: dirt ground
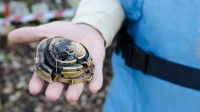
16,68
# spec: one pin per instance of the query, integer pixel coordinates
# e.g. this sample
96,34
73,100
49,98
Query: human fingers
74,91
54,91
35,84
97,81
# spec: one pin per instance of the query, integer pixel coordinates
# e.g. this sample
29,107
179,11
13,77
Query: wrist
93,32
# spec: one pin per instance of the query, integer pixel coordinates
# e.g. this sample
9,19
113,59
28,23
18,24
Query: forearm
104,15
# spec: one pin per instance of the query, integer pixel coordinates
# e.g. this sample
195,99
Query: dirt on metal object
61,60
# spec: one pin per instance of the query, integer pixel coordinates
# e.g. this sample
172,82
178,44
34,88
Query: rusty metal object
61,60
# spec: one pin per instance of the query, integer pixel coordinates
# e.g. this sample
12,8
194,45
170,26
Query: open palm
81,33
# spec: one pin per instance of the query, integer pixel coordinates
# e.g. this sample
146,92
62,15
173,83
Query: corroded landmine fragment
61,60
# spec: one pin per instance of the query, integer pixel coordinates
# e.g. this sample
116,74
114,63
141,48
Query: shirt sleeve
104,15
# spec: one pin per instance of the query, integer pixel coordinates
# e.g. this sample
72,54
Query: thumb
25,34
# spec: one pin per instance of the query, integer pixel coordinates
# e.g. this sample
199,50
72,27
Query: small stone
102,94
8,89
38,109
98,101
93,96
107,88
31,68
83,100
58,108
21,83
28,61
16,65
2,56
15,96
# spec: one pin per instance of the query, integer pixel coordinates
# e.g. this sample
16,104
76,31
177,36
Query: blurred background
17,63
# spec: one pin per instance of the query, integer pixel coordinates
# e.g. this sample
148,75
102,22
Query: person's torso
167,28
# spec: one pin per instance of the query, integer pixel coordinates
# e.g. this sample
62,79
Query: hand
82,33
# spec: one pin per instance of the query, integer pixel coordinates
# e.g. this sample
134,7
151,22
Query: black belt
152,65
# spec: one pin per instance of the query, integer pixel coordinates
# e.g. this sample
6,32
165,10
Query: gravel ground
16,68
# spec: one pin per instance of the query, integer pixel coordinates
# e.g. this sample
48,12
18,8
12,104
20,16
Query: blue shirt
166,28
169,29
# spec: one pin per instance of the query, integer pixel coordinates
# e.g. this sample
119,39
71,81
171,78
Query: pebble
101,94
28,61
22,83
15,96
8,89
2,56
93,96
38,109
16,65
58,108
83,100
31,68
98,101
